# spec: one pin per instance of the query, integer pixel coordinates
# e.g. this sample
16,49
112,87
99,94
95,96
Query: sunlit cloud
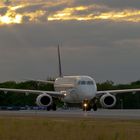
69,14
11,16
38,11
126,15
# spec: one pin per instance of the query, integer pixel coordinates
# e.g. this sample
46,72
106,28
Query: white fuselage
77,88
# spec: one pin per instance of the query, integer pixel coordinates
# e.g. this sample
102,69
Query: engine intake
44,100
108,100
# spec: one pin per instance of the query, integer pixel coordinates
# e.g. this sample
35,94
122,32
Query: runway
101,113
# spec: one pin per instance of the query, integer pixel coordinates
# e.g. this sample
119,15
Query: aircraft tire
54,107
94,107
48,108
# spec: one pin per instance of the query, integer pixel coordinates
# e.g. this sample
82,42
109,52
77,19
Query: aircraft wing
51,93
99,93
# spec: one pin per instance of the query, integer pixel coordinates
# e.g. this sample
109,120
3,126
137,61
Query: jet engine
108,100
44,100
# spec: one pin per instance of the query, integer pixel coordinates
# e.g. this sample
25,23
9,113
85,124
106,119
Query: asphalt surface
75,113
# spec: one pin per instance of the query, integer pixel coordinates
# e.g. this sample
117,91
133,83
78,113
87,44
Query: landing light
64,93
85,105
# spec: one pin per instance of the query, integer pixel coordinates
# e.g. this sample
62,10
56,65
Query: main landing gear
52,107
88,105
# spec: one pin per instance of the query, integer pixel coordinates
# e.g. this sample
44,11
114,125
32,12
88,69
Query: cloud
3,11
77,34
119,4
99,38
45,11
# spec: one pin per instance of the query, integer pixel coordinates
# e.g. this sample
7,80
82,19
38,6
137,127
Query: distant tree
130,100
106,85
8,84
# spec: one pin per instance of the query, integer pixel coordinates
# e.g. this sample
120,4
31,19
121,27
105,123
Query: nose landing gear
88,105
94,107
52,107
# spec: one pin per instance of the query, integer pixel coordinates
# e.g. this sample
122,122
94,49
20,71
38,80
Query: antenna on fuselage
59,62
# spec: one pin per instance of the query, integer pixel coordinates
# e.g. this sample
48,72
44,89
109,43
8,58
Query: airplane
73,89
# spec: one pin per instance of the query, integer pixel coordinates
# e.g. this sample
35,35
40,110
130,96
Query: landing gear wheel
88,108
54,107
94,107
49,108
65,106
84,108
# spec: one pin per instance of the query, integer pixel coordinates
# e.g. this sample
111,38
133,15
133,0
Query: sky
99,38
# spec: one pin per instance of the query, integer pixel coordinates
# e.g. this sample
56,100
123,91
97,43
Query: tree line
126,101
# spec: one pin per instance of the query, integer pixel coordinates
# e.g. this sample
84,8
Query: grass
41,128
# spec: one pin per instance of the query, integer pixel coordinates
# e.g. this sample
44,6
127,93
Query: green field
41,128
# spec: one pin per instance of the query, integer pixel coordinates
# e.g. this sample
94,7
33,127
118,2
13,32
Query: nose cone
88,92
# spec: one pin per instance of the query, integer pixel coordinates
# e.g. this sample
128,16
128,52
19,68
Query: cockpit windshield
85,83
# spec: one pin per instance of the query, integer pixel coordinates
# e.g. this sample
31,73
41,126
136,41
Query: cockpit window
85,83
82,82
90,82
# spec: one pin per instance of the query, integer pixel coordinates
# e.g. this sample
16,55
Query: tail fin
59,62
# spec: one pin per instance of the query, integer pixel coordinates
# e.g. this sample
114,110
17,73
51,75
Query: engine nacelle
44,100
108,100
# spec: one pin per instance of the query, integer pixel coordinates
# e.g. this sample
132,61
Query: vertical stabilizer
59,62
